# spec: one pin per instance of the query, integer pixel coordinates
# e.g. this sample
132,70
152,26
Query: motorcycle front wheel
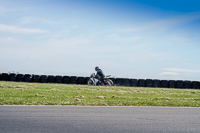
90,82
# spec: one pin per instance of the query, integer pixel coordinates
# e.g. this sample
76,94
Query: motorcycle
94,80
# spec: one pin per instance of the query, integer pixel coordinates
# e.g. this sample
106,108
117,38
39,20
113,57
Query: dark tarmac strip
93,119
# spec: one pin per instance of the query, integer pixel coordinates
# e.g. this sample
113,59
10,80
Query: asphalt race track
89,119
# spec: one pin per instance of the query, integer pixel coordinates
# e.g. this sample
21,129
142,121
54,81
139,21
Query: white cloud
164,23
180,73
30,20
169,73
26,20
15,29
176,20
119,39
9,40
3,10
182,70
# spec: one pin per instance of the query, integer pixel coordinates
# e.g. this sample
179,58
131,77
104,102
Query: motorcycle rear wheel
109,82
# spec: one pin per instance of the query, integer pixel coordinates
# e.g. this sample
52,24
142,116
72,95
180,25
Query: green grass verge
19,93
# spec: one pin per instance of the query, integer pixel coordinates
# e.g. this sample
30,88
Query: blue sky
126,38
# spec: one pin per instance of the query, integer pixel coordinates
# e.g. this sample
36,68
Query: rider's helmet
96,68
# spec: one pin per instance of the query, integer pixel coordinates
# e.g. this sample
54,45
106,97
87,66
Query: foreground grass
19,93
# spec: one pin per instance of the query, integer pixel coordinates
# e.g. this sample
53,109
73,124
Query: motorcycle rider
100,74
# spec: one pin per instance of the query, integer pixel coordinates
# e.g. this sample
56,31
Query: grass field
19,93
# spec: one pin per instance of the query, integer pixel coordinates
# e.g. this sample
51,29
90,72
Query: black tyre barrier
19,77
125,82
195,84
187,84
65,79
81,80
141,82
179,84
4,76
58,79
172,84
12,77
73,80
156,83
113,80
50,79
149,83
43,78
86,79
35,78
118,81
134,82
27,78
164,83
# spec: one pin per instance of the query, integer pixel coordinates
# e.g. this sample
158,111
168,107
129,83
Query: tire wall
86,79
50,79
118,82
65,79
164,83
141,83
4,76
73,80
156,83
58,79
35,78
12,77
181,84
27,78
171,83
149,83
19,77
81,80
133,82
187,84
125,82
43,79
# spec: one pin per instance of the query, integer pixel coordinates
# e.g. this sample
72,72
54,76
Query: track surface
86,119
